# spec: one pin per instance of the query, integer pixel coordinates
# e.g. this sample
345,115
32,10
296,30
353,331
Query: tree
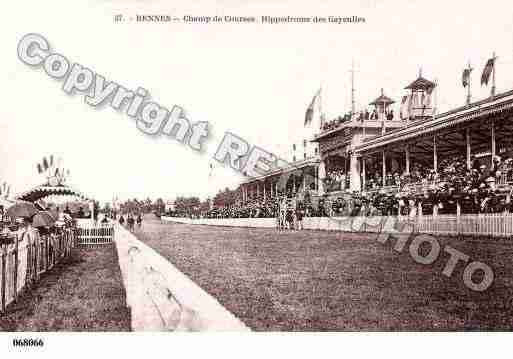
225,198
159,206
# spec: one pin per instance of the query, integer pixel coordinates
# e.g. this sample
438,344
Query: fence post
4,276
16,248
458,213
28,276
47,252
36,253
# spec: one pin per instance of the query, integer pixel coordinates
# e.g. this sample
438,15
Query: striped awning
41,192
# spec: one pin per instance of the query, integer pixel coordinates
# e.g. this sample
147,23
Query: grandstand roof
290,167
499,103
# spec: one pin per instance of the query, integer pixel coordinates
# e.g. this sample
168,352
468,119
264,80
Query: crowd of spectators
336,180
360,116
336,122
475,189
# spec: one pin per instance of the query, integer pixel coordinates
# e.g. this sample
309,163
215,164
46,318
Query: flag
310,110
487,71
405,106
465,78
45,163
39,169
51,160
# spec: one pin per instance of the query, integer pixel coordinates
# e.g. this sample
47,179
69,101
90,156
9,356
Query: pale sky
254,80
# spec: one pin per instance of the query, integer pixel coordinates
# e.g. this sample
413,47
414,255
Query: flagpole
352,89
468,84
493,75
436,98
320,106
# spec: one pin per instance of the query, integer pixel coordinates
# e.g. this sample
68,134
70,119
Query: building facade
380,150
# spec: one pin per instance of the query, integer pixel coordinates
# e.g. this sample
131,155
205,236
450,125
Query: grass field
82,293
314,280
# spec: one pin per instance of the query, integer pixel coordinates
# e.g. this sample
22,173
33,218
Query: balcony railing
500,182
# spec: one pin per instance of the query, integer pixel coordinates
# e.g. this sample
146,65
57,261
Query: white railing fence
26,257
498,225
90,233
490,224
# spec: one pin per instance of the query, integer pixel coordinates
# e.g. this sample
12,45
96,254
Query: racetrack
315,280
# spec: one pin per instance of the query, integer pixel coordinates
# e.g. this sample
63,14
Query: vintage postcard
255,166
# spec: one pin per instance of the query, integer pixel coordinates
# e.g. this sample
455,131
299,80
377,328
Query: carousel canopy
41,192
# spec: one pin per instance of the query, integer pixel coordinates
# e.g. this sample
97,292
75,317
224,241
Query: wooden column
321,173
435,157
354,180
384,167
407,155
467,140
265,197
493,139
363,173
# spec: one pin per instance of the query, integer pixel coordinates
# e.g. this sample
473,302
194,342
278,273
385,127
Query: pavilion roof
382,99
420,84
